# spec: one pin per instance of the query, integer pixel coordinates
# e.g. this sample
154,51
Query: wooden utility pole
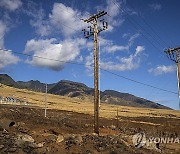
45,100
117,116
174,55
95,31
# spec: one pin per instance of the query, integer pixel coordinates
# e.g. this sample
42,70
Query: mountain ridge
82,91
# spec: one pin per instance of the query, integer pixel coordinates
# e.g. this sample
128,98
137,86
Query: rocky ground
26,130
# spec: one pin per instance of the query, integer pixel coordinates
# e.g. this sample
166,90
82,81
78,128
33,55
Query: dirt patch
70,132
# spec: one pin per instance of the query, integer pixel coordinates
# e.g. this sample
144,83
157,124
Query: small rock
70,139
86,125
78,139
60,139
40,145
34,145
113,127
12,149
5,131
102,126
1,146
21,139
94,134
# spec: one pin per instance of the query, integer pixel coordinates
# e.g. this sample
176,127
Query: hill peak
80,90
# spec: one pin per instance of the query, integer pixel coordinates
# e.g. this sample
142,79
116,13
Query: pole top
95,16
170,50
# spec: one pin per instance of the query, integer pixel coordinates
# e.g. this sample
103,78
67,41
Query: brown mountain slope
80,90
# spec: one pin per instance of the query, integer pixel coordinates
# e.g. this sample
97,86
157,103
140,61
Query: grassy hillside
80,90
83,106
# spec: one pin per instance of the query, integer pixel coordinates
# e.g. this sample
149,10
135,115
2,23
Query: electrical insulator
90,30
106,25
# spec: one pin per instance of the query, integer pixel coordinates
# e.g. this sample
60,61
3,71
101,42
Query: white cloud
62,19
42,26
126,63
110,47
38,20
66,19
117,48
132,38
80,59
155,6
7,58
65,51
89,64
11,4
6,21
3,29
162,69
139,49
113,10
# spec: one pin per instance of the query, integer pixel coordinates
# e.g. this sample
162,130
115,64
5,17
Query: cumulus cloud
126,63
110,47
66,19
11,5
62,19
162,69
42,26
61,52
117,48
7,58
155,6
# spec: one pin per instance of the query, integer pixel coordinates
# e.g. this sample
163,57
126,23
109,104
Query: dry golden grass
83,106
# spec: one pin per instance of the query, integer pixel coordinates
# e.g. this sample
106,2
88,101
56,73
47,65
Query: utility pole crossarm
172,49
102,13
173,54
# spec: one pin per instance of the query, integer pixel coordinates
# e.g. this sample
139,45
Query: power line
150,27
160,41
135,26
45,58
82,64
92,65
128,20
133,22
139,82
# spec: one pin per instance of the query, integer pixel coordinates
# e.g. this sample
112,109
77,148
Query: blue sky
133,46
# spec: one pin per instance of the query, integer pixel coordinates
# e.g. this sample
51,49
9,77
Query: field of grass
83,106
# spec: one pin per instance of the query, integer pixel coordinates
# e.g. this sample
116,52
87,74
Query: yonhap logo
139,140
